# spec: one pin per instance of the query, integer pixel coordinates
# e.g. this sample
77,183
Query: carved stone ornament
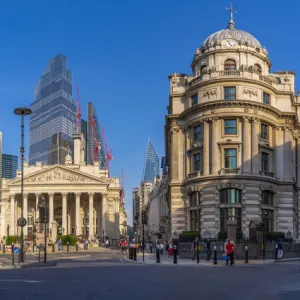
209,93
267,188
250,92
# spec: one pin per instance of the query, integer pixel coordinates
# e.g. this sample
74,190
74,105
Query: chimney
77,147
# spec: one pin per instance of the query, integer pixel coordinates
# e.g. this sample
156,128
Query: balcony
267,173
226,171
194,175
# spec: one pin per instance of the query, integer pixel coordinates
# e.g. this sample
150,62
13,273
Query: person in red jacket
230,251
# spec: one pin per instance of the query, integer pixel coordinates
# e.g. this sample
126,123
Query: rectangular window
230,159
265,161
195,199
227,214
264,131
229,93
266,98
195,220
267,198
197,162
230,127
195,99
268,219
197,133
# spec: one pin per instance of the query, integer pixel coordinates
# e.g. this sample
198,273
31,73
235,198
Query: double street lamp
22,111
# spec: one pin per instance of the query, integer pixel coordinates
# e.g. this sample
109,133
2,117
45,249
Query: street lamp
264,215
22,111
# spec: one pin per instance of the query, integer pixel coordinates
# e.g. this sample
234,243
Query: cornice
238,103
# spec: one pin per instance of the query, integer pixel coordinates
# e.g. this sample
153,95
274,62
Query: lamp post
264,215
22,111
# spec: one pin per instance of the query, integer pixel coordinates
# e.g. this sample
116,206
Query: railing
266,173
229,171
194,175
230,73
266,79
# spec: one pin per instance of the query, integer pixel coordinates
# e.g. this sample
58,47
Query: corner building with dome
232,139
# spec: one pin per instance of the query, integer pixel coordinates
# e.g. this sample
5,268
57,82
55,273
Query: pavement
150,259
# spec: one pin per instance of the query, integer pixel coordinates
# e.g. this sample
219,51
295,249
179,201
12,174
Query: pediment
56,175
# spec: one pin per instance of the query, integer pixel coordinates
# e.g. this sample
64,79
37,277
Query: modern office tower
53,118
9,166
83,128
94,144
151,168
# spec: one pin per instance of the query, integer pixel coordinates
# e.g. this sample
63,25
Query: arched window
230,64
195,211
230,196
257,68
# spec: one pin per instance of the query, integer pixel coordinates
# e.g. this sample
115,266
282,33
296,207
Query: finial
231,22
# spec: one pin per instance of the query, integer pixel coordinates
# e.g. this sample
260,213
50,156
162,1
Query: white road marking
20,280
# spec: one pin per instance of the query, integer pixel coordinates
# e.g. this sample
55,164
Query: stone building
82,199
233,139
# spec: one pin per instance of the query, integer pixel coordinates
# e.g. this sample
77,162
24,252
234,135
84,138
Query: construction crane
109,156
78,110
123,191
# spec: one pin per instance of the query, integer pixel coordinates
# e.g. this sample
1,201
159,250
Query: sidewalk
150,259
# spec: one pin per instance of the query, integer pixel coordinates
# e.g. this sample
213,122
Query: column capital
246,119
77,194
64,194
91,194
51,194
104,195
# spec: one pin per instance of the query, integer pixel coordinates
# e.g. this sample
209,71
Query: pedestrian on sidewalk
208,249
161,248
170,249
86,244
230,252
225,250
107,243
280,249
59,245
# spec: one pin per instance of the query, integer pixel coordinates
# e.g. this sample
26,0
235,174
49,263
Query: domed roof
241,36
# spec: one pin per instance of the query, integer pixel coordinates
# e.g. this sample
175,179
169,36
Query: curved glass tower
151,168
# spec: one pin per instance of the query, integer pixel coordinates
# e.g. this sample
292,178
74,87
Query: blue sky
121,53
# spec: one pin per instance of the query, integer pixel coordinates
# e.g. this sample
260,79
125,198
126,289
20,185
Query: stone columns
279,153
77,214
246,146
206,149
37,213
12,215
298,164
104,214
91,216
255,149
215,149
64,213
25,212
288,157
51,213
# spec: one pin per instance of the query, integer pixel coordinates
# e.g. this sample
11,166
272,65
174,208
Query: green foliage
68,238
189,235
11,239
272,236
222,235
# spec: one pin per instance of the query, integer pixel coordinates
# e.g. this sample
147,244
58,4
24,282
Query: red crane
78,110
108,152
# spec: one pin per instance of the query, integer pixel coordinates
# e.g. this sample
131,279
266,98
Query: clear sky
121,53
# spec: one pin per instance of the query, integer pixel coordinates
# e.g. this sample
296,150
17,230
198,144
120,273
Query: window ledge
194,175
266,173
229,171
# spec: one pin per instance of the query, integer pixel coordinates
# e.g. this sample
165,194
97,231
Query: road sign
16,250
21,222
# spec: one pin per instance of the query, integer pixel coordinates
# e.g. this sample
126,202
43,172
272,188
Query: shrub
271,236
68,238
189,235
11,239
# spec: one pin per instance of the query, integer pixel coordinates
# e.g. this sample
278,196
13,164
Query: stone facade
82,199
233,140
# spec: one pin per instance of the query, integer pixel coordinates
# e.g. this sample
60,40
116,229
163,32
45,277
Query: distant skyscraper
83,128
94,137
53,118
9,166
151,168
0,164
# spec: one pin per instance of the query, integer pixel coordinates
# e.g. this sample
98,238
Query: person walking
161,248
280,249
208,250
86,244
195,246
225,250
230,252
170,249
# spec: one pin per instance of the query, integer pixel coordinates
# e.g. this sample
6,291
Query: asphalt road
112,279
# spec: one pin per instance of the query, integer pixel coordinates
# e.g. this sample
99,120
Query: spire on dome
231,22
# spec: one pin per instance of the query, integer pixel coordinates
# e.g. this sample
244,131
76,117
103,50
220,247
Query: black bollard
129,252
197,251
76,247
246,254
157,255
3,248
39,254
53,250
134,254
12,255
276,251
67,246
175,254
215,256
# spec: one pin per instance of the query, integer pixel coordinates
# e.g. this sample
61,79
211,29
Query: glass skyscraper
151,168
9,166
53,118
83,129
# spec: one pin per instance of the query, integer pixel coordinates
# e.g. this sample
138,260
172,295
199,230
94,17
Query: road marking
20,280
